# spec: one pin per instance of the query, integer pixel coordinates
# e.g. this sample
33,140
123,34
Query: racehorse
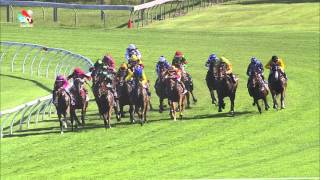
258,90
125,90
277,85
80,98
105,100
62,107
175,95
225,88
160,88
212,82
189,86
141,100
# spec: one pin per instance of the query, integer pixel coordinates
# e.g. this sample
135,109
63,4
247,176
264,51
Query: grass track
206,144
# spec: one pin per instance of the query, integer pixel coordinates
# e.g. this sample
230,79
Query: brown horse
225,88
125,91
160,88
104,96
175,95
212,81
258,90
141,101
187,80
63,106
80,98
277,85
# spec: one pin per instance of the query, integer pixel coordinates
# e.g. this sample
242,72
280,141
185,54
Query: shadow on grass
39,84
125,122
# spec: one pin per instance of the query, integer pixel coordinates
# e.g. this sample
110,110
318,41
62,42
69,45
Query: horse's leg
181,106
174,111
193,97
109,115
274,98
131,111
61,123
105,117
145,111
160,105
121,111
117,112
220,99
188,99
266,105
232,96
282,100
258,105
65,119
83,112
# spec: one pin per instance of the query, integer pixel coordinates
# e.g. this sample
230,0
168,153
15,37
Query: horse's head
275,72
221,71
78,84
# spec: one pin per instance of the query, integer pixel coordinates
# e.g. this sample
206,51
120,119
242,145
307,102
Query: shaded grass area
206,144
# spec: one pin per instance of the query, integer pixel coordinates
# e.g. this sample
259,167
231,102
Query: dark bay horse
175,96
62,107
212,81
187,80
125,91
258,90
277,85
79,95
160,88
104,96
141,100
225,88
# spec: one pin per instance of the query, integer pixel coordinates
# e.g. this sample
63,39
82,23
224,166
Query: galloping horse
160,88
258,90
211,81
62,107
104,96
189,86
225,88
141,100
80,98
125,90
277,85
175,95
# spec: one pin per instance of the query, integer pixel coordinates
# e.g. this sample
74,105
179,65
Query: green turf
206,144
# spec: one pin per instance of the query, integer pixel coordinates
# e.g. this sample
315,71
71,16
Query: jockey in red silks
60,83
79,73
110,62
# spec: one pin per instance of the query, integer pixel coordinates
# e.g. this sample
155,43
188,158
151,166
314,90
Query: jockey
212,62
79,73
176,74
135,61
60,83
122,71
275,60
109,61
255,66
162,63
179,60
229,68
139,75
132,50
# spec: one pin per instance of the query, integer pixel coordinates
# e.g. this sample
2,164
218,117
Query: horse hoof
195,100
253,103
61,132
283,107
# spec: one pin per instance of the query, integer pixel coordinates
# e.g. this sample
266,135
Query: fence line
22,56
141,15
